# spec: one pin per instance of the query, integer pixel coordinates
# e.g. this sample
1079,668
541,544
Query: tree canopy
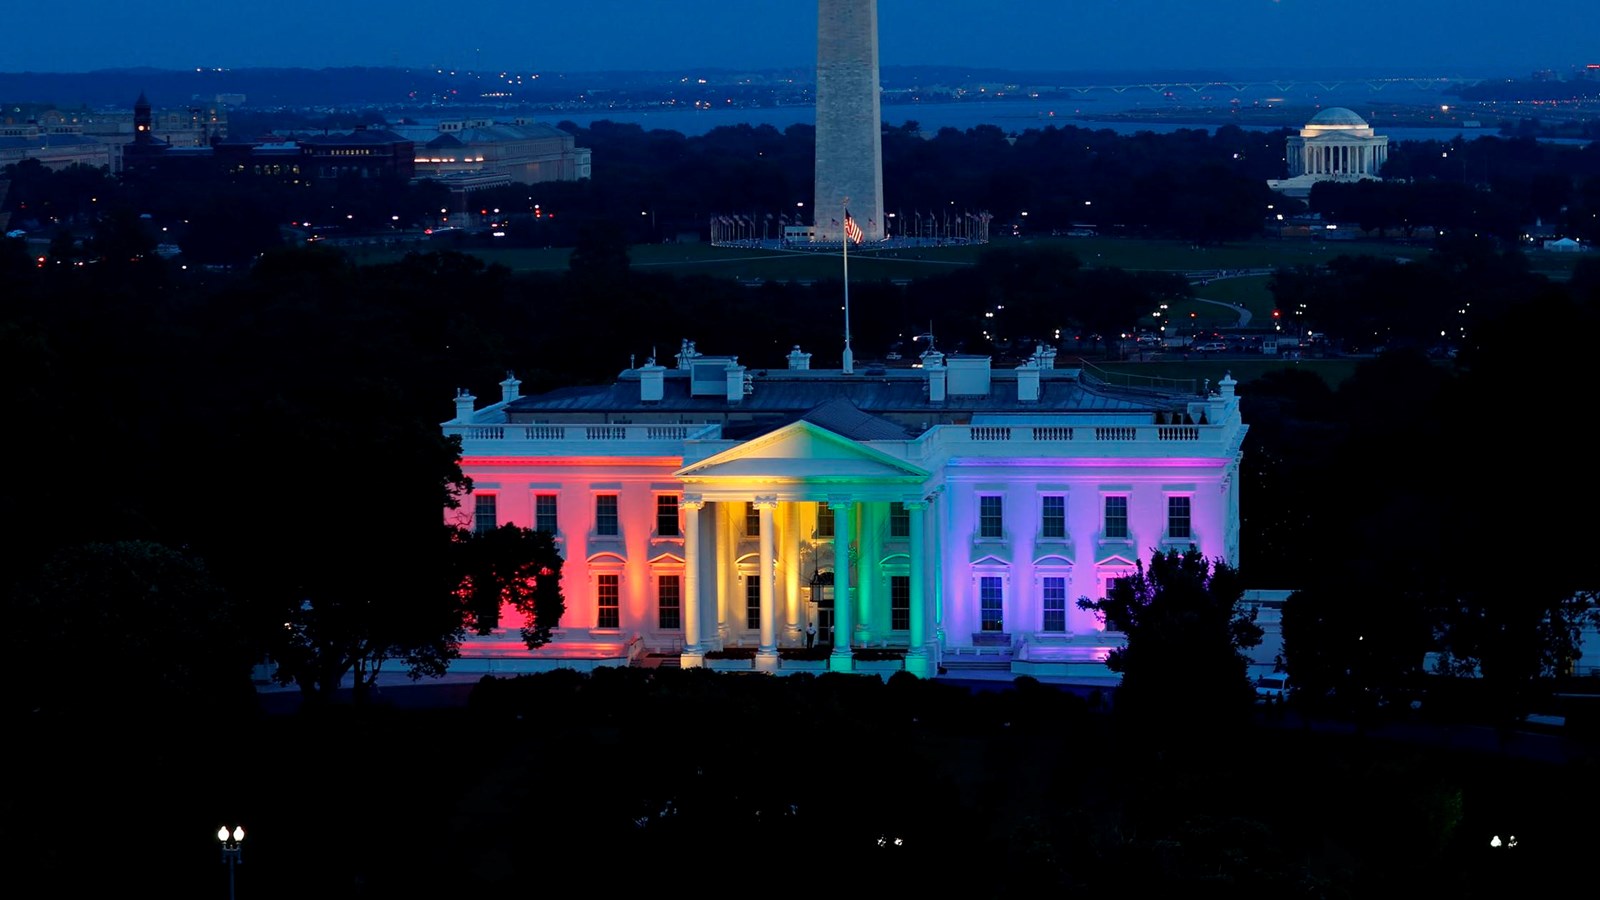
1186,633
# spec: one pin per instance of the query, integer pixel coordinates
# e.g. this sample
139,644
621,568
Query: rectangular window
669,601
605,514
752,520
752,601
544,513
484,514
1111,583
1055,604
899,521
1053,516
899,602
990,513
991,604
667,515
1117,518
1178,517
824,520
606,601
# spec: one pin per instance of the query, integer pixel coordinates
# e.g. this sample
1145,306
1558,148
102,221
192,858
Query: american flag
851,229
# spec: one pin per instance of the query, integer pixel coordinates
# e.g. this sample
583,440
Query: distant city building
54,135
1336,145
520,151
362,153
54,146
849,118
954,511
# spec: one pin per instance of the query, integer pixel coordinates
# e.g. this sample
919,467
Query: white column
791,570
691,578
868,594
918,662
769,607
843,532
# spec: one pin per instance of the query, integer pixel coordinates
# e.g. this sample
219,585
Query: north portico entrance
775,525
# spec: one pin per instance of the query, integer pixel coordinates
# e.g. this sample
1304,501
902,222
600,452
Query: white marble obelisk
849,120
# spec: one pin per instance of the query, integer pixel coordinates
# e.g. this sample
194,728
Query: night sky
1423,37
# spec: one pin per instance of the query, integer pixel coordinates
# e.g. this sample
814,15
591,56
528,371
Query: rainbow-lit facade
951,509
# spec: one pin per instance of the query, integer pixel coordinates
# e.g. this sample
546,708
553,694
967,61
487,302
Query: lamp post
231,841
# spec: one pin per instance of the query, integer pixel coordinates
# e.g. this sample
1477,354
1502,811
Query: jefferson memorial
1336,145
949,512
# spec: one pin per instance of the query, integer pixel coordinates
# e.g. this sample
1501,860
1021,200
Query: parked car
1212,347
1273,688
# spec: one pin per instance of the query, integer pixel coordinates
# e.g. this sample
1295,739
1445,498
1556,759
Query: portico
764,519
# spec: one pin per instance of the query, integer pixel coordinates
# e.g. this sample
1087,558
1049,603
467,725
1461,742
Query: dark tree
1184,660
514,567
152,615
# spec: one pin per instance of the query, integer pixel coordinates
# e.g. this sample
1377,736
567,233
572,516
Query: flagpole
844,246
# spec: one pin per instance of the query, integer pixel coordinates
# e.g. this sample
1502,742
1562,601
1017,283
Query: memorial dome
1336,120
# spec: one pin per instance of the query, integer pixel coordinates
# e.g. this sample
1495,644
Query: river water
1264,111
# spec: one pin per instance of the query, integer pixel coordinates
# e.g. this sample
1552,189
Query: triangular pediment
1114,561
803,452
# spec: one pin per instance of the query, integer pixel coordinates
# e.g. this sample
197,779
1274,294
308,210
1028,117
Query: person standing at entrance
811,635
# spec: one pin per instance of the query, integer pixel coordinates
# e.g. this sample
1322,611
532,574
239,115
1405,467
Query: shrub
732,653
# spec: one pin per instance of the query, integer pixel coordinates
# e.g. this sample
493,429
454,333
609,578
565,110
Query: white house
951,509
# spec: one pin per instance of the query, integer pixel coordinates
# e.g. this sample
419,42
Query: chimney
652,382
464,402
510,389
933,364
736,381
1028,382
798,360
1045,355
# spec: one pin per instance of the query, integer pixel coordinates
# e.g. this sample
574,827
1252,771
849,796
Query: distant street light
231,841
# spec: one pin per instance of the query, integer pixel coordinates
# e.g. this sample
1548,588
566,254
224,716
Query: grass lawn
909,263
1244,369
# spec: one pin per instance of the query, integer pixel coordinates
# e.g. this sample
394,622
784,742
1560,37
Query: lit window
991,603
667,515
899,521
605,514
606,601
752,601
544,513
899,602
752,520
669,601
1055,604
1178,517
1053,516
1117,517
990,514
484,514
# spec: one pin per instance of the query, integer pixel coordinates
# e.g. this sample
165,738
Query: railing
1005,439
583,433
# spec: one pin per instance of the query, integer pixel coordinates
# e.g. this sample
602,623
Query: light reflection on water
1023,114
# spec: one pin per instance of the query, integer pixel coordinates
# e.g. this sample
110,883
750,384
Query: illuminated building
849,162
361,153
1336,145
952,509
520,151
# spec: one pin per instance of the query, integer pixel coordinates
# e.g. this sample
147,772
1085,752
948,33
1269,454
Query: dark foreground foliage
631,777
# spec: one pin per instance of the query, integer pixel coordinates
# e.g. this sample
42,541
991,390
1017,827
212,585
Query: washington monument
849,120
